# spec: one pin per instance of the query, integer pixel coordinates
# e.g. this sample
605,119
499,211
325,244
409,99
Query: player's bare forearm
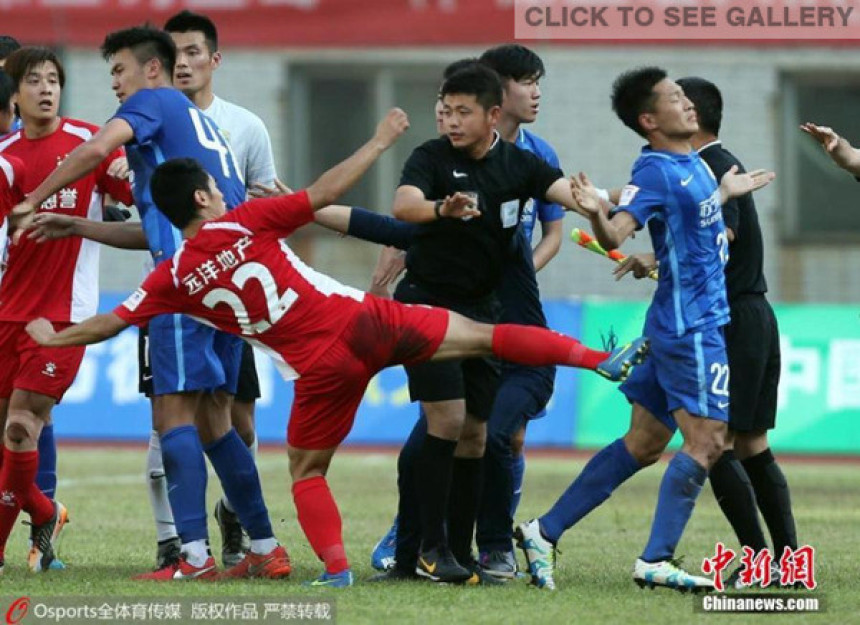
125,235
611,232
334,217
93,330
549,245
846,156
411,205
81,161
337,180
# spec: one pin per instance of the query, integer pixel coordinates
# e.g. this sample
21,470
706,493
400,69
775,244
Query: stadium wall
819,402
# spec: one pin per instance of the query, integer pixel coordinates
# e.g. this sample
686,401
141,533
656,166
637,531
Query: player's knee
644,449
21,428
518,441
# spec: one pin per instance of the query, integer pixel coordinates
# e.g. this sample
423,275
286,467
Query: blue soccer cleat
622,359
383,556
332,580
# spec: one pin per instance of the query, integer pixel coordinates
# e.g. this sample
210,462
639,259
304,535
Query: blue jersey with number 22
167,125
678,197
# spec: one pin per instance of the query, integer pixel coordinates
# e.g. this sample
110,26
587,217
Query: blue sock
679,489
605,472
234,464
46,478
518,471
185,470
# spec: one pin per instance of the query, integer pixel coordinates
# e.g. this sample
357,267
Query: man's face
674,115
440,119
522,99
38,96
194,62
128,75
465,121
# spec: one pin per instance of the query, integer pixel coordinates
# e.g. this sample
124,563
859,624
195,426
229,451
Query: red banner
271,23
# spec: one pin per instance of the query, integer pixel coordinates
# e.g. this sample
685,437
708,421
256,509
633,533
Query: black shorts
752,342
247,388
473,379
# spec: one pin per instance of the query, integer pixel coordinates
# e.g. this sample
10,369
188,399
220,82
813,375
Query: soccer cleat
667,573
622,359
181,570
440,565
168,552
46,538
383,556
234,541
481,577
501,564
333,580
539,552
273,565
394,574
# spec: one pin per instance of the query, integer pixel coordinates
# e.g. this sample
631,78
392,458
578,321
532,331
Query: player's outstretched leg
383,556
540,553
46,539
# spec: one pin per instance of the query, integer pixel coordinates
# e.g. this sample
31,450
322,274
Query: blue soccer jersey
167,125
678,197
536,209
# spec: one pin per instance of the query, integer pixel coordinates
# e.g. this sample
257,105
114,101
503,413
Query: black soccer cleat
440,565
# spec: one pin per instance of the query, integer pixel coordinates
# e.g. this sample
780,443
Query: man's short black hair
456,66
8,45
7,88
633,94
145,42
477,80
708,100
24,60
173,184
514,62
186,22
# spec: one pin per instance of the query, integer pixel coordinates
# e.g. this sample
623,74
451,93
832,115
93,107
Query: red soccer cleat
181,569
273,565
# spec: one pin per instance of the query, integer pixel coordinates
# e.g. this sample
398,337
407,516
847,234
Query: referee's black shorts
473,379
752,342
247,387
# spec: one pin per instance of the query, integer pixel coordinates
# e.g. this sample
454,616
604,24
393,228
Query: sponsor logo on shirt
710,210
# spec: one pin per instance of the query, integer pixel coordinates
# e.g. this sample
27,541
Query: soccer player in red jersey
234,272
57,280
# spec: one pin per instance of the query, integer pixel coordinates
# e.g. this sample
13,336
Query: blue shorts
690,372
186,355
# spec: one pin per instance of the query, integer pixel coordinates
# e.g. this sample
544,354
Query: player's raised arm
93,330
82,160
337,180
843,153
609,232
122,235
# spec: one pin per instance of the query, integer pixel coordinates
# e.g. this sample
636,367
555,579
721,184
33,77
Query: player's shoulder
12,169
78,128
538,145
238,112
11,139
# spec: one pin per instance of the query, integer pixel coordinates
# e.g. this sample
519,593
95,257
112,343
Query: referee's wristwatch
437,208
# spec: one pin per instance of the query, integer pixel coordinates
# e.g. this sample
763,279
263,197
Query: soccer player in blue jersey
195,368
685,383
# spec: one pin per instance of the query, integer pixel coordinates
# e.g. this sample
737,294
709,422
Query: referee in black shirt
457,263
747,472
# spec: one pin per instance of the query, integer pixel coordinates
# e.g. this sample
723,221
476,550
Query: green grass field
111,537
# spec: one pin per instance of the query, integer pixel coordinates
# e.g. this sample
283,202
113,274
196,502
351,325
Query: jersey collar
708,145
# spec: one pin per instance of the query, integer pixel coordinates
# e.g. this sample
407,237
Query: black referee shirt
462,260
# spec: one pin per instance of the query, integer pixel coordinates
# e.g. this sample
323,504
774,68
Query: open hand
736,185
825,135
41,330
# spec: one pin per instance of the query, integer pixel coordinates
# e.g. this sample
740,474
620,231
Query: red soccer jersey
57,279
237,275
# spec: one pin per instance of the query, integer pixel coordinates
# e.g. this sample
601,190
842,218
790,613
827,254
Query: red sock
320,521
537,347
18,473
39,506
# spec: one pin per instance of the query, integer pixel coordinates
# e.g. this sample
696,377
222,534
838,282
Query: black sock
774,500
433,482
466,486
734,493
409,507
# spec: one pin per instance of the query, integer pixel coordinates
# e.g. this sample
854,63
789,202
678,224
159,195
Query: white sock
196,552
165,529
262,546
226,502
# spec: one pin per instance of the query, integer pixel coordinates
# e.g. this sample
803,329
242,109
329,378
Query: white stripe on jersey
85,280
6,166
79,131
227,225
10,140
176,256
321,282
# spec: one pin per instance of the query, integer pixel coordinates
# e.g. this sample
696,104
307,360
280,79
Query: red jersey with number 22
237,275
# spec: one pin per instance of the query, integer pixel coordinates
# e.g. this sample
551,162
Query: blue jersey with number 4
167,125
678,197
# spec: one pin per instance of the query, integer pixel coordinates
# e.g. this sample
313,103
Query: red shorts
382,334
26,365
